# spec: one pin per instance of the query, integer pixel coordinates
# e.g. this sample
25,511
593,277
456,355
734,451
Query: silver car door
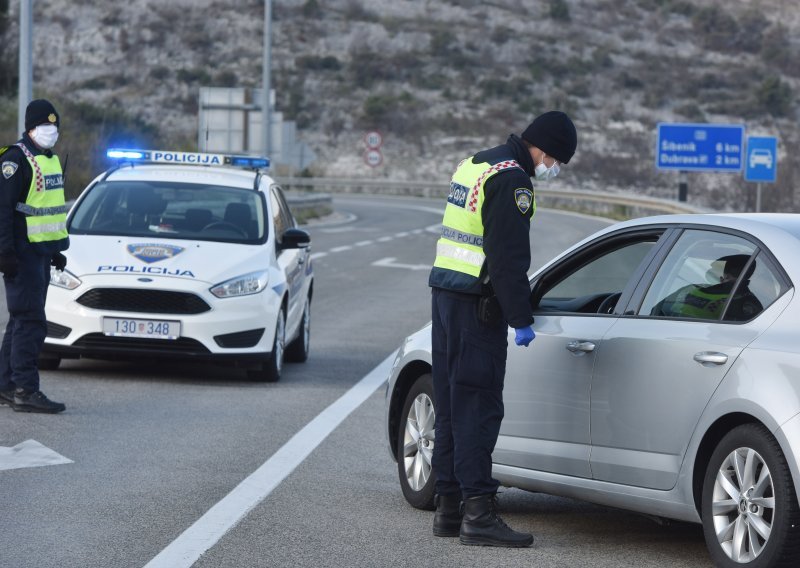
547,385
657,371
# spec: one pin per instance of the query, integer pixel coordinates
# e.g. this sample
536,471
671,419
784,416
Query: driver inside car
707,302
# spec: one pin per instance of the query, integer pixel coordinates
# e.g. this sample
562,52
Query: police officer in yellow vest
33,233
480,287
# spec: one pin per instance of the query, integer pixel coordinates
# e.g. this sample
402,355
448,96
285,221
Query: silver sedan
664,378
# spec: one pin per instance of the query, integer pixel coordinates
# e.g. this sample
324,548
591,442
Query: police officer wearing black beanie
480,287
32,236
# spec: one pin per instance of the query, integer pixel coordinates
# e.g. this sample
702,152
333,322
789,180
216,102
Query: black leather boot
447,520
483,527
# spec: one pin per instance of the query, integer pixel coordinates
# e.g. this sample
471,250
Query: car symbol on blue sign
762,159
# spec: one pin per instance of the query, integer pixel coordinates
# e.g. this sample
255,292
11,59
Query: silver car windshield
171,210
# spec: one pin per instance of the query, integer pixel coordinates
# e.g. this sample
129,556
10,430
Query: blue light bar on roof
125,154
188,158
249,162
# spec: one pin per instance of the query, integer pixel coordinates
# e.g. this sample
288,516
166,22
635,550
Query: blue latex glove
524,336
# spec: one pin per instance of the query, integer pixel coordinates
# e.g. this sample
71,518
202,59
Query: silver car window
760,287
698,276
597,278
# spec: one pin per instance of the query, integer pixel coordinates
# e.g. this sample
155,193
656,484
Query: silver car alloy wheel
418,441
743,505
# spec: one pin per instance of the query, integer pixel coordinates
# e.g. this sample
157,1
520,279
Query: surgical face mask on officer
45,135
543,173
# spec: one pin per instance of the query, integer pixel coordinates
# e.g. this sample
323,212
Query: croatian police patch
9,169
524,198
458,194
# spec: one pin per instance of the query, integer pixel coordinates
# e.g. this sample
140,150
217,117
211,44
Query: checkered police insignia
472,202
37,171
523,197
9,169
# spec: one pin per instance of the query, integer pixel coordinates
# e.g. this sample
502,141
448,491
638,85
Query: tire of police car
756,453
270,370
48,363
418,404
297,350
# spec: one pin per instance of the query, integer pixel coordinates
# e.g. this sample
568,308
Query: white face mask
543,173
45,135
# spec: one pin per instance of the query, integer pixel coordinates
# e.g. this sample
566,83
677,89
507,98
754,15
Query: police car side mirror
295,238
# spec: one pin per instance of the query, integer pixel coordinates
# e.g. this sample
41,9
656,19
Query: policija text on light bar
187,158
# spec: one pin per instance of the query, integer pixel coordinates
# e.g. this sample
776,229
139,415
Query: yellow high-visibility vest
460,248
44,208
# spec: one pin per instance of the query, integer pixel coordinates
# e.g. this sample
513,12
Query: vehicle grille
57,331
144,301
240,339
99,342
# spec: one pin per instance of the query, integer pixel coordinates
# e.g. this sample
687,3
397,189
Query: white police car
178,254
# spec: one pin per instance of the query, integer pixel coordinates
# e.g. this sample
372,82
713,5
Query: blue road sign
700,147
762,159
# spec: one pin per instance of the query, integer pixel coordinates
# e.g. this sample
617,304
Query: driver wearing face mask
33,232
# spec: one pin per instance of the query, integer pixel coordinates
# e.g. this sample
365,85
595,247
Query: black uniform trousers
469,363
27,326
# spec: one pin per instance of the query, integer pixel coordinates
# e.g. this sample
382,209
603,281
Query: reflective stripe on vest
44,208
701,304
460,248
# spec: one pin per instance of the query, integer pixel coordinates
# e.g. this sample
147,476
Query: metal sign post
25,61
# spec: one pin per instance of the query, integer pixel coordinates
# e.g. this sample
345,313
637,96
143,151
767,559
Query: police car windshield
171,210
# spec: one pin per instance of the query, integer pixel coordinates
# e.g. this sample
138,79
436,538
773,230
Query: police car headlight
244,285
64,279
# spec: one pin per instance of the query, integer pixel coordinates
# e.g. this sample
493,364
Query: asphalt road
155,446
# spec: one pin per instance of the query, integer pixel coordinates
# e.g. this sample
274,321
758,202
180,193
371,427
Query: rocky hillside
439,78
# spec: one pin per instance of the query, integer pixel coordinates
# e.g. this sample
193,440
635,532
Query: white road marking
317,255
222,517
402,234
385,239
341,249
363,243
417,231
389,262
29,453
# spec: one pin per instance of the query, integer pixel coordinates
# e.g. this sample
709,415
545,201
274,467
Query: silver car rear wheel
743,505
749,504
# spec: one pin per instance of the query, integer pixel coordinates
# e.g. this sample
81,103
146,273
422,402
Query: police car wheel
49,363
415,440
297,350
270,370
749,504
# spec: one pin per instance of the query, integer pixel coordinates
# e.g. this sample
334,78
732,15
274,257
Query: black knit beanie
40,111
554,134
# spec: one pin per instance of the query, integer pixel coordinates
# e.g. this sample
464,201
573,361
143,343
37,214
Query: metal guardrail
617,205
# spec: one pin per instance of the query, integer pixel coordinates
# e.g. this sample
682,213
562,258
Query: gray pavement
155,445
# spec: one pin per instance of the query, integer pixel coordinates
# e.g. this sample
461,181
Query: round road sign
373,157
373,139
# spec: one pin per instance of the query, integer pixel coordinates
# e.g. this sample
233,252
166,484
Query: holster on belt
489,311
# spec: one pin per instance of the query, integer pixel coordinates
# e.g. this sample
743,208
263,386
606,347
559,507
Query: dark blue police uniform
469,355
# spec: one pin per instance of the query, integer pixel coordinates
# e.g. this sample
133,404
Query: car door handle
708,358
301,259
581,346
